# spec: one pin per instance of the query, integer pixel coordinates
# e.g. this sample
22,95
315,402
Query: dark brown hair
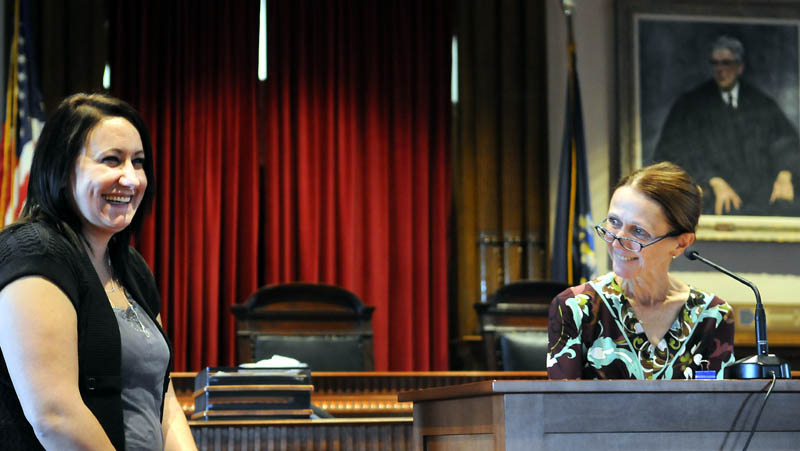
63,138
671,187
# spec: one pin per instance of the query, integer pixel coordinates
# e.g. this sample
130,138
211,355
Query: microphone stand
762,365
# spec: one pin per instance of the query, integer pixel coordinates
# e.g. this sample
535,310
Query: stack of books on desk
252,393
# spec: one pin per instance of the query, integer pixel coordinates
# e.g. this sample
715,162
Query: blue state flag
573,242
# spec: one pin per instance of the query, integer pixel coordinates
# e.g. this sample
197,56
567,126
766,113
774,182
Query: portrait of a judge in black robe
735,140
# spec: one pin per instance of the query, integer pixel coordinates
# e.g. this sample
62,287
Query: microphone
760,317
762,365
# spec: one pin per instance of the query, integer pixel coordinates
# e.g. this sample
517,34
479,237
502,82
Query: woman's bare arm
39,340
177,435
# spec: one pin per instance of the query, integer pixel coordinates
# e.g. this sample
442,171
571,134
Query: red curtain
334,170
189,71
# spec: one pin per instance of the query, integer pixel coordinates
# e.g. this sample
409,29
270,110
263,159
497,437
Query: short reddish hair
671,187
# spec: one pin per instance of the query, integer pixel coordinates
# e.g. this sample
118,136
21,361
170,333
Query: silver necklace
131,315
113,287
111,276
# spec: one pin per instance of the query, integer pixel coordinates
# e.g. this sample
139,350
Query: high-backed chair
325,326
513,323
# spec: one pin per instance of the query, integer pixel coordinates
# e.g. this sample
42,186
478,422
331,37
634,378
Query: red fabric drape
357,113
189,69
340,175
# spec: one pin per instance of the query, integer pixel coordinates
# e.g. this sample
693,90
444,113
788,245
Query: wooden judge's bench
514,410
368,415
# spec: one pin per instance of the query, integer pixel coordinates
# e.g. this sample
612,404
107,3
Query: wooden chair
513,324
325,326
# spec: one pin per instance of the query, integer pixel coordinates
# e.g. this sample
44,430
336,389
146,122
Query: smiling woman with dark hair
639,321
85,362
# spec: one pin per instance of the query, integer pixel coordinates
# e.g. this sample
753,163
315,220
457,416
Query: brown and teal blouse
594,334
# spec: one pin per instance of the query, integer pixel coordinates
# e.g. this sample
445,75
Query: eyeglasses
629,243
726,62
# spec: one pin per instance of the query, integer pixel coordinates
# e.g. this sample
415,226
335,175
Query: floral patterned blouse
594,334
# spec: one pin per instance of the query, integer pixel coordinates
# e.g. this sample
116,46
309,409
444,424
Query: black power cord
760,411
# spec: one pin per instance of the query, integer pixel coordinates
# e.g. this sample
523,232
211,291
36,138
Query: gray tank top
145,356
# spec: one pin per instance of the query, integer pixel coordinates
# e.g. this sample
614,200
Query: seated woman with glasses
638,321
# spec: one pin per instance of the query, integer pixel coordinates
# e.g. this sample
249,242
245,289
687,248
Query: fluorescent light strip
262,41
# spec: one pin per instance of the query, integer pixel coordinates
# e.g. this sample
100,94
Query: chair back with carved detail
325,326
513,324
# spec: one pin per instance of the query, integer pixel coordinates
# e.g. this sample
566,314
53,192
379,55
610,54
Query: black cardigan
37,249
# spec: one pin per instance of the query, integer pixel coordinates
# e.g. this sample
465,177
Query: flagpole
568,8
573,243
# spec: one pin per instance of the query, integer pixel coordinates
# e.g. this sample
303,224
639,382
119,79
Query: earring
674,257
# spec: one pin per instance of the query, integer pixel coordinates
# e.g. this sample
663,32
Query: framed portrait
714,87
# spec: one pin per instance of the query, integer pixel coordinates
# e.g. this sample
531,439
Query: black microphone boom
762,347
762,365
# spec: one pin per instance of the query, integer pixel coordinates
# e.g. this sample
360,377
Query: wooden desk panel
387,434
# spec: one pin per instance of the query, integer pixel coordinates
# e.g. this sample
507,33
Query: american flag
24,116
